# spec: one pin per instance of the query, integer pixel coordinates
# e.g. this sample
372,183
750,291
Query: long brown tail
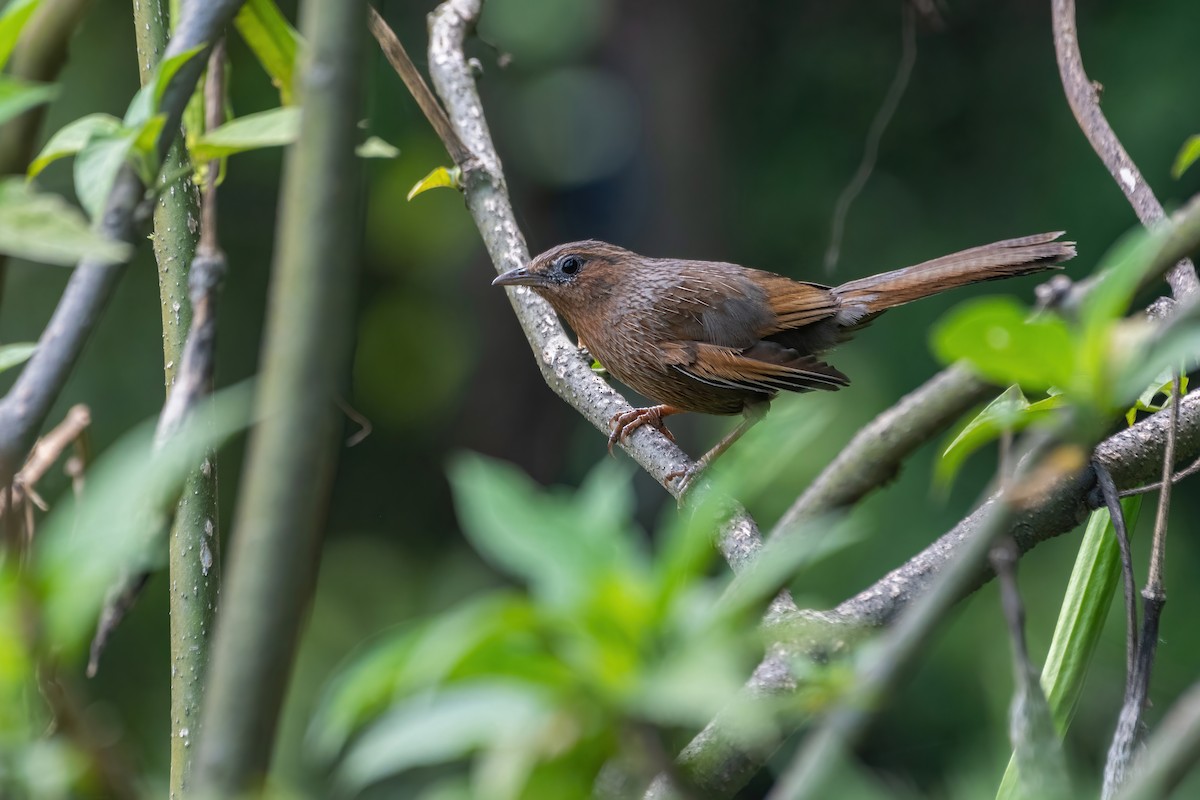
864,298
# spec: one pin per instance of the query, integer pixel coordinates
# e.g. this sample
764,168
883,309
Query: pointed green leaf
45,228
144,148
1187,156
145,103
1008,412
96,168
72,137
561,543
273,41
17,96
12,22
274,128
450,177
13,354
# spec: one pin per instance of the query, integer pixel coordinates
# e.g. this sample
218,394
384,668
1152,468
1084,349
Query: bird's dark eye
569,265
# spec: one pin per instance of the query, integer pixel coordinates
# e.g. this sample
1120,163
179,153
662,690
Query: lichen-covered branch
565,370
1083,97
716,761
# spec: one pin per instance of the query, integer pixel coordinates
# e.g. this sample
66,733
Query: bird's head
572,275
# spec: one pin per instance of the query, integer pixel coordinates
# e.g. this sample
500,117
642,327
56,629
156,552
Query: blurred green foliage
676,128
611,646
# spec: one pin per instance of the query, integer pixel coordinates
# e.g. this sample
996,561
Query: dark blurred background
714,130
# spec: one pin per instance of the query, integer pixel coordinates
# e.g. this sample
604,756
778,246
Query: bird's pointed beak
519,277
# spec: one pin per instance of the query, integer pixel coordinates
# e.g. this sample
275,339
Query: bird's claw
626,422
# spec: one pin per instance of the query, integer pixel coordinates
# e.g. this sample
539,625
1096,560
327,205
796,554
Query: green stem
194,579
292,452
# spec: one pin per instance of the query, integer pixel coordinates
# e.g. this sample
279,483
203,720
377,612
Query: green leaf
1085,606
1003,345
1187,156
17,96
72,138
450,177
47,229
273,41
1121,271
1011,411
1161,385
1176,352
415,659
12,22
563,544
146,102
374,147
96,168
143,150
13,354
118,524
274,128
443,726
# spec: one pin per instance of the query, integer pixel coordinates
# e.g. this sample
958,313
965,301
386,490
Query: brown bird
717,338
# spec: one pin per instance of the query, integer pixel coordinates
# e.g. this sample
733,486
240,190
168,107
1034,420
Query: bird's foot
685,477
627,422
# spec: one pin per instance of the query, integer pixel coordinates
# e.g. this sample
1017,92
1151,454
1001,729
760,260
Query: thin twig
1154,579
883,117
50,447
1171,753
1036,746
397,56
1085,104
1108,491
1186,472
1130,725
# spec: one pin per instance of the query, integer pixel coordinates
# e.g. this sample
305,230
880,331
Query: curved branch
1083,98
1132,456
873,456
567,372
716,760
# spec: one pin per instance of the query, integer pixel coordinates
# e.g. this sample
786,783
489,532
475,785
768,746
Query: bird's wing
793,303
765,367
731,306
